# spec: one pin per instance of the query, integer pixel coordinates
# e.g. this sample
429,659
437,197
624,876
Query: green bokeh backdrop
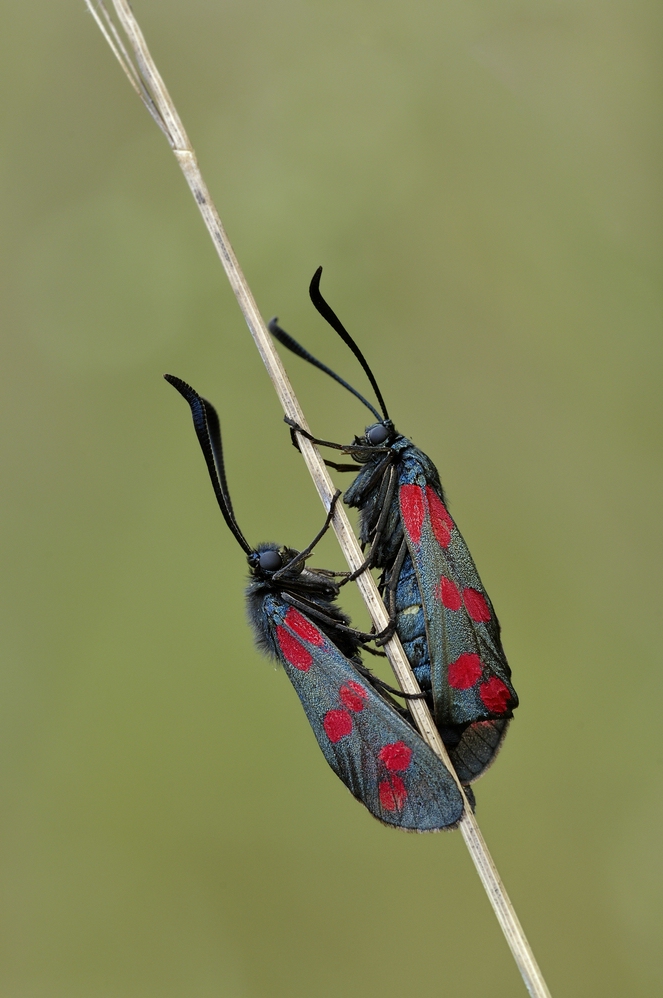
482,184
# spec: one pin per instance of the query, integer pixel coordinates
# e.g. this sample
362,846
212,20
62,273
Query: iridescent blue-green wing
470,677
380,758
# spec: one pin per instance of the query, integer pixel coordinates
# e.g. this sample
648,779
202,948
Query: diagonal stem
147,82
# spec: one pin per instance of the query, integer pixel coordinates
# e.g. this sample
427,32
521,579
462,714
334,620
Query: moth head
378,434
270,558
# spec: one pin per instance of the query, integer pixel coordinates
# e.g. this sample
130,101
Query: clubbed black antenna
288,341
208,430
327,312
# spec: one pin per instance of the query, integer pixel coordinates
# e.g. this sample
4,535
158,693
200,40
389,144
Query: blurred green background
482,183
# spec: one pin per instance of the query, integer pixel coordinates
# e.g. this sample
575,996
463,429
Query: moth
292,610
430,584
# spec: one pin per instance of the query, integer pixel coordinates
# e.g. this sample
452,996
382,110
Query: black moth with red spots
444,618
363,735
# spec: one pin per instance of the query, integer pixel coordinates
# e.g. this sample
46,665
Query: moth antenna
288,341
214,427
208,430
327,312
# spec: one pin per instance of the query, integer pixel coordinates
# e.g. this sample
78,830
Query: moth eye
377,434
270,561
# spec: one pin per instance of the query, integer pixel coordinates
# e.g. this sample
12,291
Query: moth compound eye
270,561
377,434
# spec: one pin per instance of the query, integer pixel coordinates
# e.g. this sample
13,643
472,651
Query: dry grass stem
146,81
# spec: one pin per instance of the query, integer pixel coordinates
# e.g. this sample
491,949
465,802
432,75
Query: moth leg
385,635
296,428
343,467
293,439
380,683
351,576
377,637
361,636
353,449
379,474
303,555
328,571
391,581
313,611
373,651
384,501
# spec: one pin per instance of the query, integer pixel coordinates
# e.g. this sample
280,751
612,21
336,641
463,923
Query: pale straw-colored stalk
136,61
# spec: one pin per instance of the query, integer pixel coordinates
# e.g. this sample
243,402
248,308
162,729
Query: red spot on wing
300,625
476,605
358,688
449,595
337,724
293,651
413,510
392,794
495,694
352,696
440,520
396,756
465,671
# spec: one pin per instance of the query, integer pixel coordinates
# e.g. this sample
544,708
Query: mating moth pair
435,600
